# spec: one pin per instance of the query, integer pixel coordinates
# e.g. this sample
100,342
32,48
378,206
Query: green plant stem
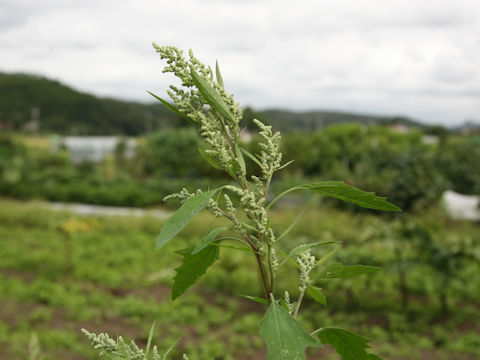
299,302
269,253
316,331
263,273
241,180
267,276
264,276
251,243
267,188
272,277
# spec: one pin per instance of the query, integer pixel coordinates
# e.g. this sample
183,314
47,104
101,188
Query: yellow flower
75,225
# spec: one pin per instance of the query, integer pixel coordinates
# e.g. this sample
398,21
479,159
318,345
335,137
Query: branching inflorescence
221,134
202,100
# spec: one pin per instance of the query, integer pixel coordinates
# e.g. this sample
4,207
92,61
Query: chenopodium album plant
203,101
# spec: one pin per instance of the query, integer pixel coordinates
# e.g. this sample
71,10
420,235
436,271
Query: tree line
35,103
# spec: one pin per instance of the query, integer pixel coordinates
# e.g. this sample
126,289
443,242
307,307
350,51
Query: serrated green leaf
284,336
218,74
341,271
212,97
173,108
257,299
183,216
193,266
317,294
342,191
207,239
348,345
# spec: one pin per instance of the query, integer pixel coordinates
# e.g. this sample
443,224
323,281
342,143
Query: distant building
95,148
462,206
430,139
399,128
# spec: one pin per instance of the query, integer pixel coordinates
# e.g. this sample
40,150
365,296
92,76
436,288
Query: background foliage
60,272
402,167
115,285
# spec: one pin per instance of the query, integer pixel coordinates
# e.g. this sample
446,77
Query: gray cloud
10,20
418,58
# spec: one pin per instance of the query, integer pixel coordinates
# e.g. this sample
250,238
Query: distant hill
49,106
468,126
35,103
285,120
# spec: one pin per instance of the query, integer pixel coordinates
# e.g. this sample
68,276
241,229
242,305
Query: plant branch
299,302
316,332
264,276
272,277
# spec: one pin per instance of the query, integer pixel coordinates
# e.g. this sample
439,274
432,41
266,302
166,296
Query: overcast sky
417,58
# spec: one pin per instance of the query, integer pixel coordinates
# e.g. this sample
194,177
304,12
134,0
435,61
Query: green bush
398,166
459,160
174,153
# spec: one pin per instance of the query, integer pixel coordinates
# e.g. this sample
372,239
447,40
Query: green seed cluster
307,263
271,156
119,347
220,135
